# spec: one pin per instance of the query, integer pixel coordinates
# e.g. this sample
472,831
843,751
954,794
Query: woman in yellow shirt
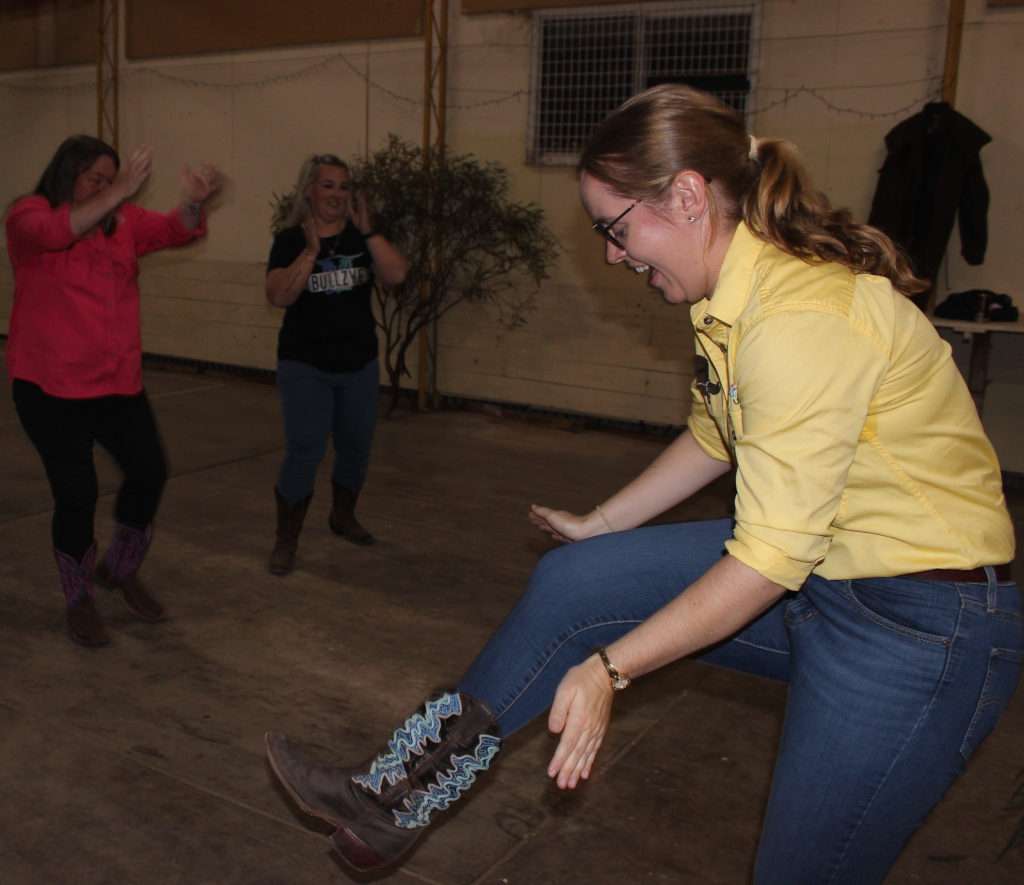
866,564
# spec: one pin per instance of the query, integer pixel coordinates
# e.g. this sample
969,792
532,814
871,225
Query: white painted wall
600,342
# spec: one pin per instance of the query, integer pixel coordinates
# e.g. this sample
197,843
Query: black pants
64,431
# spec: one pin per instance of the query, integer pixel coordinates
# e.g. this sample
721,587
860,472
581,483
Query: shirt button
708,321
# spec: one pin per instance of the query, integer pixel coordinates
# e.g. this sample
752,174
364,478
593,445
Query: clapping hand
198,185
359,212
312,237
134,172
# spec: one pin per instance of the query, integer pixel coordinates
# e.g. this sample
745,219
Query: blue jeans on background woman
317,405
893,683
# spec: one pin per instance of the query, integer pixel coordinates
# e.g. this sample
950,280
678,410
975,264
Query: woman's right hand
565,526
312,237
134,172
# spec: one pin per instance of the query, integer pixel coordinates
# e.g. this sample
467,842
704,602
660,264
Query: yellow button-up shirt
858,449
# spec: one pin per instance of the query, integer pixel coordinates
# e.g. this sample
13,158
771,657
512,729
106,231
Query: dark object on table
981,305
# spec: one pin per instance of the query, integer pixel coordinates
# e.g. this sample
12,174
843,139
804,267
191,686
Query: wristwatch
619,680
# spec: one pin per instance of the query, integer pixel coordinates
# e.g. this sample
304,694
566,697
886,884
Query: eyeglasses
606,229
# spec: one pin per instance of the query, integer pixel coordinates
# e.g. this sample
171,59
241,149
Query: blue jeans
893,683
316,403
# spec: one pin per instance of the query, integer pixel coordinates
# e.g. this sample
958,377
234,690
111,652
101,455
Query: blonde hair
641,146
298,208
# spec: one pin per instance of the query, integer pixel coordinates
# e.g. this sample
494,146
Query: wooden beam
435,112
471,7
167,28
954,37
107,79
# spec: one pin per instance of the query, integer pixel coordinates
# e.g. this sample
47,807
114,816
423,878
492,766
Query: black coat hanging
932,174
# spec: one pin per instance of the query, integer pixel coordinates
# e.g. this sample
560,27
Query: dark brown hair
74,156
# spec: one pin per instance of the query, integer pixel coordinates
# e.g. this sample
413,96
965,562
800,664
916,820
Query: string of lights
789,94
793,93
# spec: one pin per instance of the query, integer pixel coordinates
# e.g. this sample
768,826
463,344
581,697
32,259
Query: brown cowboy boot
343,517
290,517
120,571
380,809
84,624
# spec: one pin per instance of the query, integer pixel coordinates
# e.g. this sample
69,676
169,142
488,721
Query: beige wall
599,342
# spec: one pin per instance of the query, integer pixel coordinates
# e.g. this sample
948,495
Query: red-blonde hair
641,146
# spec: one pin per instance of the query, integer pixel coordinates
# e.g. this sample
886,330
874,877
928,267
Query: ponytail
783,208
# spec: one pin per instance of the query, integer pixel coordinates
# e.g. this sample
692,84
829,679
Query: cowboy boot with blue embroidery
380,809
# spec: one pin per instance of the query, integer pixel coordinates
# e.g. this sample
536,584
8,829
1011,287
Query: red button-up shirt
75,323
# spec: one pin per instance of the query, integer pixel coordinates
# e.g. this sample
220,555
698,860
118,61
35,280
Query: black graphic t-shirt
330,325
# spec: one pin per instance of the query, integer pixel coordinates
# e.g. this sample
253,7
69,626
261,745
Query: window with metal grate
587,62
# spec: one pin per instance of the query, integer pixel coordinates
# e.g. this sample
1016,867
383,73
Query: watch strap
619,680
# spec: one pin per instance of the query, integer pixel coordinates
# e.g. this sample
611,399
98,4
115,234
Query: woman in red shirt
74,356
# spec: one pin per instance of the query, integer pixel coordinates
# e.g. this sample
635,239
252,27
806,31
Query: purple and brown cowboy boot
120,571
84,624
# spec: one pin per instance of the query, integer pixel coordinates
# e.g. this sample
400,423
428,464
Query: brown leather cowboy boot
343,517
290,517
84,624
381,808
120,571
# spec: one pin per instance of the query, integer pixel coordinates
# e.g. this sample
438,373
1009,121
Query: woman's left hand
581,712
565,526
198,185
359,212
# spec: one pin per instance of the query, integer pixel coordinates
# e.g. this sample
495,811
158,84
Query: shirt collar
732,291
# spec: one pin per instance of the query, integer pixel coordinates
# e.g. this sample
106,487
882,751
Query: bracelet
619,680
604,519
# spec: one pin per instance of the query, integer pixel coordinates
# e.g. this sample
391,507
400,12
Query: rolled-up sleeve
34,226
804,380
152,231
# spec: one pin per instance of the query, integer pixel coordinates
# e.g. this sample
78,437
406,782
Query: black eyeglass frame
606,229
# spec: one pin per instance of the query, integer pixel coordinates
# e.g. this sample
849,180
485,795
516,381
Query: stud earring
691,219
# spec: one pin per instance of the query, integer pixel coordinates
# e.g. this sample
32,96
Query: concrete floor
143,762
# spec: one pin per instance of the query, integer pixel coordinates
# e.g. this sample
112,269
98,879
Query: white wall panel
599,341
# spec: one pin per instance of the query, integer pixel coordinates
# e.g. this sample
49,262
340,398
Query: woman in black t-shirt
321,271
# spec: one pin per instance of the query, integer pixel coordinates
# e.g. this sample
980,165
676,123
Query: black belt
963,576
